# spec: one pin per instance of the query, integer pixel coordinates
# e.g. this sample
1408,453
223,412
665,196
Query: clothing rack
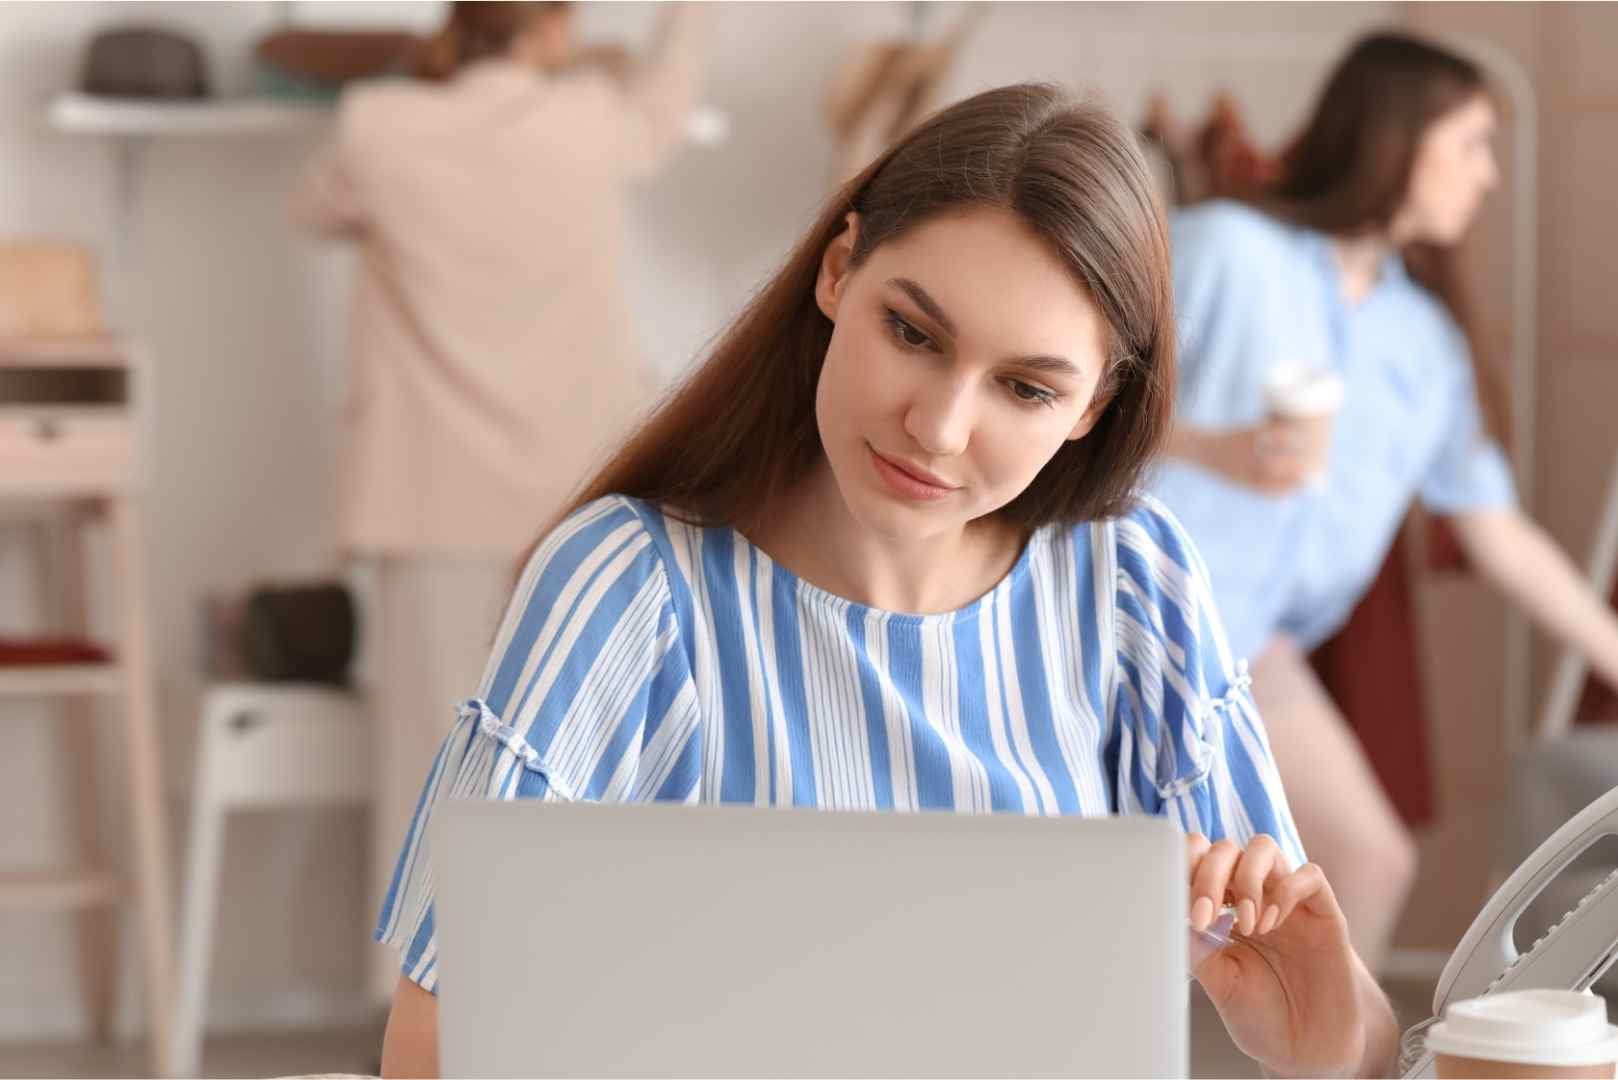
1562,700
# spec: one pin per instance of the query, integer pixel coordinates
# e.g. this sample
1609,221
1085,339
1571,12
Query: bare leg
1348,825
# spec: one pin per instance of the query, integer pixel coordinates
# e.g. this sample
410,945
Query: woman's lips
905,483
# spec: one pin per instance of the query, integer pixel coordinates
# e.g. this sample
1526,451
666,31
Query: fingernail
1202,913
1272,915
1247,916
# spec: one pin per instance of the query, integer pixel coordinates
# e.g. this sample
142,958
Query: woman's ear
835,267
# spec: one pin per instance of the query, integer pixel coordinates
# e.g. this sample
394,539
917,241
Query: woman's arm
410,1044
1517,556
661,86
1274,457
1381,1056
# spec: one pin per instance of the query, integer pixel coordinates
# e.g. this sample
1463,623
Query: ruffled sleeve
588,695
1188,740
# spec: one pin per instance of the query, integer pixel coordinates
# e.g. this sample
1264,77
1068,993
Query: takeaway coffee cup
1525,1033
1309,397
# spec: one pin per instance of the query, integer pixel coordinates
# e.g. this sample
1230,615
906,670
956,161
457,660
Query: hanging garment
882,89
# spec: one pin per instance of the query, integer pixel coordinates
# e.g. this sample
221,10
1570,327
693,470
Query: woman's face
963,355
1454,169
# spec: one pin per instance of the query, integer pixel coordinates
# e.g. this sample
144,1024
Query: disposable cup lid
1528,1027
1302,390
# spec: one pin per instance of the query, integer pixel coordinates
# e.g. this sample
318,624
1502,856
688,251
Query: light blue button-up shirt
1252,291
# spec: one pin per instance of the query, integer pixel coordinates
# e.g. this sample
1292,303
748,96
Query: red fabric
1444,551
39,651
1371,669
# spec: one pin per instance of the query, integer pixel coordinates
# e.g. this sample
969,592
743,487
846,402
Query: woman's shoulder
612,531
386,112
609,519
388,96
1231,230
1155,555
1149,523
1145,546
1417,309
634,537
1164,606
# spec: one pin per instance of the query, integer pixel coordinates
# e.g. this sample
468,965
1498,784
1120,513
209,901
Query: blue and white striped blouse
642,658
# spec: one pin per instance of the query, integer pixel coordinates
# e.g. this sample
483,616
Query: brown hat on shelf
144,62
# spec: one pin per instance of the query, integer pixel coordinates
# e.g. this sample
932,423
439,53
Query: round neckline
828,599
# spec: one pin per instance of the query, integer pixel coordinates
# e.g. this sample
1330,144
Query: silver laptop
666,940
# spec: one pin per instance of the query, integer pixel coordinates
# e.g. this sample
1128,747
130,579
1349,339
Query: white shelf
86,114
59,889
53,680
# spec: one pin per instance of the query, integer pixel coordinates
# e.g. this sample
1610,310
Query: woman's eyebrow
924,301
1056,365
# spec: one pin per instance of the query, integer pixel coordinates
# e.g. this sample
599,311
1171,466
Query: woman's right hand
1293,994
1277,457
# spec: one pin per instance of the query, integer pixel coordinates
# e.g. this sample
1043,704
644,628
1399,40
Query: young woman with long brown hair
884,550
1349,266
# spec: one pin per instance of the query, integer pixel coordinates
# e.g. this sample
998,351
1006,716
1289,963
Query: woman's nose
941,421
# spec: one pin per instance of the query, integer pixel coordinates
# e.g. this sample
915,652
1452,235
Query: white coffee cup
1308,395
1525,1033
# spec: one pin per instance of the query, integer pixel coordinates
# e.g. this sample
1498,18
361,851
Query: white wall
245,324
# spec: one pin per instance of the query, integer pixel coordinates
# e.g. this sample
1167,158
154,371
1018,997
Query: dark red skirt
1372,670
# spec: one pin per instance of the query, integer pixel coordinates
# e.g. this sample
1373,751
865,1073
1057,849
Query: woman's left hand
1291,990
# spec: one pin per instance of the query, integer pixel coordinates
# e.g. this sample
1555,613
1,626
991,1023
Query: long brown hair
740,431
478,30
1349,171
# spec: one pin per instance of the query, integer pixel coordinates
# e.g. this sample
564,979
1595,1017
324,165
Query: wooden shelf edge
54,680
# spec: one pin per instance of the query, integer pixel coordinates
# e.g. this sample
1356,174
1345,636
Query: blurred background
240,324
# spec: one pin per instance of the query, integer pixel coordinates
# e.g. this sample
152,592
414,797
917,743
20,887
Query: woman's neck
818,539
1359,263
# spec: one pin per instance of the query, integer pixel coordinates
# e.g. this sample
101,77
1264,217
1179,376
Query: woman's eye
907,333
1030,393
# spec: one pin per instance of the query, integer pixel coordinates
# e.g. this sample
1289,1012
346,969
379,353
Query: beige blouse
493,359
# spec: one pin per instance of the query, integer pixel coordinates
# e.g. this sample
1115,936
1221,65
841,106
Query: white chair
260,746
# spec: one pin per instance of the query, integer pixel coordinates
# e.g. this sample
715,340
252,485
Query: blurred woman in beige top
491,346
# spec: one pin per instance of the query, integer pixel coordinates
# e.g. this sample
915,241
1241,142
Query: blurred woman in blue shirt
1347,267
